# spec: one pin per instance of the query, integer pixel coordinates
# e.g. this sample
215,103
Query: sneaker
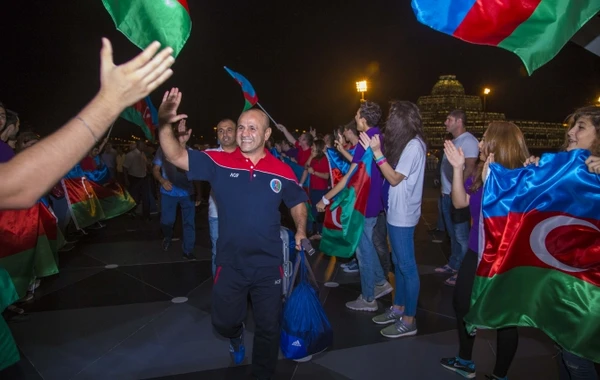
189,256
360,304
352,269
445,270
349,263
237,350
465,368
400,329
390,316
382,290
166,244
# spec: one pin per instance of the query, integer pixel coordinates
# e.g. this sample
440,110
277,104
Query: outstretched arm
287,134
27,176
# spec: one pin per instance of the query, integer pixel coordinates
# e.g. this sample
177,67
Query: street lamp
362,88
486,92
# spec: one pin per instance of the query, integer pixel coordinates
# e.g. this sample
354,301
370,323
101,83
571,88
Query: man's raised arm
27,177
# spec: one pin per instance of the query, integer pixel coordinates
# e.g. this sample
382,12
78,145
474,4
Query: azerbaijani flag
9,353
144,115
540,265
249,93
145,21
344,224
83,202
338,166
535,30
29,244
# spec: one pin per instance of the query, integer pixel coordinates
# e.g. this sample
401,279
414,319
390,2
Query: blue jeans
315,197
459,234
371,273
168,215
573,367
402,240
213,226
440,221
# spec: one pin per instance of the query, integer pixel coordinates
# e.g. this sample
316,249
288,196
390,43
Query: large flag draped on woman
540,265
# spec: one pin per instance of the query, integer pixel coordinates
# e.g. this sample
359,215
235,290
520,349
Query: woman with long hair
403,167
504,143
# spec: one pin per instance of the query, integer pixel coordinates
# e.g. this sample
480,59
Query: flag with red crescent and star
540,252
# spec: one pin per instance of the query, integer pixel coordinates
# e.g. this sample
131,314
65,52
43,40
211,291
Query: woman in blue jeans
404,172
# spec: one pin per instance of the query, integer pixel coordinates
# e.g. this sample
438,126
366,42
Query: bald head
252,131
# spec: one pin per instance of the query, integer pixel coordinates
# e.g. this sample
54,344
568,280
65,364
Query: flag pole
265,111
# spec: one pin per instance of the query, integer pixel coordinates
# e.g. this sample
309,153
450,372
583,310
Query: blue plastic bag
305,329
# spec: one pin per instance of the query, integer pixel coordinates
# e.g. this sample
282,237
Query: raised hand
364,140
375,144
486,166
593,164
125,84
533,160
313,132
455,157
281,127
167,112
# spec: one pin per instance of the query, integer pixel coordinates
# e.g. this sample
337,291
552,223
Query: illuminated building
448,94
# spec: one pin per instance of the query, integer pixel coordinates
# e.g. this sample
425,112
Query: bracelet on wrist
381,161
325,201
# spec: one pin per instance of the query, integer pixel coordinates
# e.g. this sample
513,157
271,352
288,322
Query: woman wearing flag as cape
583,133
503,141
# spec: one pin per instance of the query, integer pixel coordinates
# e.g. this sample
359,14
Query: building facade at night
449,94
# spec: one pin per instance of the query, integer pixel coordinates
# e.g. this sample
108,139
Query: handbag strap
306,268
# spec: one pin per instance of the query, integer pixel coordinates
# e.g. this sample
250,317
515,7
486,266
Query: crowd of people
251,174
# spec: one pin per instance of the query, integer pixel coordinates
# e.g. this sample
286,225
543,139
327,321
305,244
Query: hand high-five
125,84
167,112
456,157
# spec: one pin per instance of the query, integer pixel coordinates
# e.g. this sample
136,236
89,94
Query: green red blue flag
249,94
535,30
144,115
143,21
344,219
540,263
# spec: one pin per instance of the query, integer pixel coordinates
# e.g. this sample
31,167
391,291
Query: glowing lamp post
486,92
362,88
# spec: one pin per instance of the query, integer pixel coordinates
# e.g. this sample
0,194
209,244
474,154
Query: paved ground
90,322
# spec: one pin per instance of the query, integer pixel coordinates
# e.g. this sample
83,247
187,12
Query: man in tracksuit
249,185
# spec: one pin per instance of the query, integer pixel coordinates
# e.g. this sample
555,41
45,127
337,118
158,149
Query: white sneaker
382,290
360,304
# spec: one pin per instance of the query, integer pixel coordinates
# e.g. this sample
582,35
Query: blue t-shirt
182,186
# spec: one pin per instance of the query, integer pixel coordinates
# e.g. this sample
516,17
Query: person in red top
317,166
303,144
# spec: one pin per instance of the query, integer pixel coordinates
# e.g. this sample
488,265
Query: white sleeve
471,148
409,156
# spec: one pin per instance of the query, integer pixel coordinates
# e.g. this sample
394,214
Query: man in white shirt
459,232
135,173
226,130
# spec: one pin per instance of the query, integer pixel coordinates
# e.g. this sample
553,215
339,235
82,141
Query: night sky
303,59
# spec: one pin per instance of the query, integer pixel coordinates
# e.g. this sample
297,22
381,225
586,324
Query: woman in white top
404,171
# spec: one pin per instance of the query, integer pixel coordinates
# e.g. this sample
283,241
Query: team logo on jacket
275,185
